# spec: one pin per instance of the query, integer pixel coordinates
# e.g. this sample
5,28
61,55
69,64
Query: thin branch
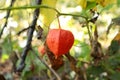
22,30
42,6
45,63
70,14
7,16
30,7
29,40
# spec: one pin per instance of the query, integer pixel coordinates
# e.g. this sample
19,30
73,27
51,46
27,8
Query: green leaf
94,72
76,42
7,45
118,3
115,76
31,59
82,50
106,8
114,47
90,5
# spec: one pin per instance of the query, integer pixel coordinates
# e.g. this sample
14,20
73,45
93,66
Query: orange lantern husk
59,41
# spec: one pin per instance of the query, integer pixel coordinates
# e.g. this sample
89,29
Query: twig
7,16
75,15
29,40
89,32
43,6
29,7
22,30
45,63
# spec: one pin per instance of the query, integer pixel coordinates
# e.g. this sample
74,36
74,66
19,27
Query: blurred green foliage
108,69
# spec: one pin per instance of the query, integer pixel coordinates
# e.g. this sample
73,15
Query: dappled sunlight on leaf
4,57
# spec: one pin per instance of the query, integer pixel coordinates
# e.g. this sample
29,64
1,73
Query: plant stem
42,6
29,7
58,21
89,33
75,15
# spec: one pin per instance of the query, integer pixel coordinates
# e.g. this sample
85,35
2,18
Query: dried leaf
56,63
39,32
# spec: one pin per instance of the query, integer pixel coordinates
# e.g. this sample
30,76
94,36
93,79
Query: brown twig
29,40
7,16
45,63
22,30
